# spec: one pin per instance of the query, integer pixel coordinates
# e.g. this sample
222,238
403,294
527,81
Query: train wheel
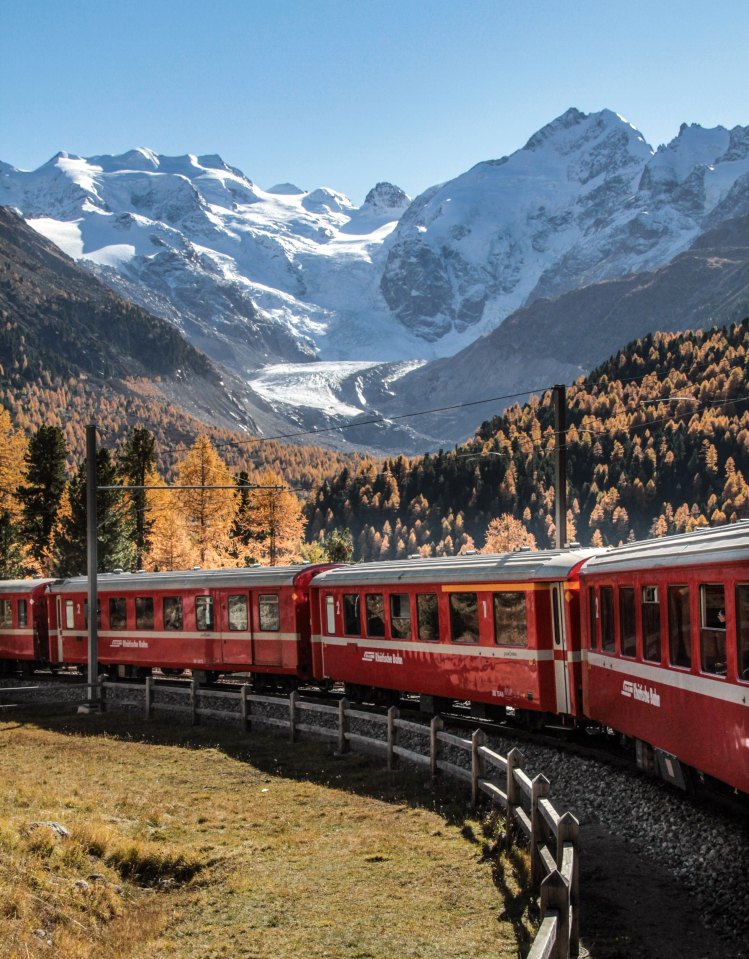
171,671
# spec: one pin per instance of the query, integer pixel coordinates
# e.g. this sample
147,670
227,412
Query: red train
650,639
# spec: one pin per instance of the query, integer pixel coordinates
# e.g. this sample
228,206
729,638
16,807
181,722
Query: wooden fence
552,838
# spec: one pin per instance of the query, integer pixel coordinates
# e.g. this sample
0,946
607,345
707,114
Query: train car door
236,635
561,665
266,629
59,629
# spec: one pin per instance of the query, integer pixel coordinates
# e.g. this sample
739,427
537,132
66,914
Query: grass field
201,842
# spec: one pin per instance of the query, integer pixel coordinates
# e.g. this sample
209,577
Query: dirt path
631,909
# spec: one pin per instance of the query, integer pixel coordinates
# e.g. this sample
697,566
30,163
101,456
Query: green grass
196,843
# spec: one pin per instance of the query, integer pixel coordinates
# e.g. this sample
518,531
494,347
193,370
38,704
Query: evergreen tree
339,546
137,459
41,494
114,535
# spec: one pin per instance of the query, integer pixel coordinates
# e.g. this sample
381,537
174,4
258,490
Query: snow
311,385
65,235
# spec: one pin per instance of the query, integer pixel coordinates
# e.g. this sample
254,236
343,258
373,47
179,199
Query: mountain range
534,266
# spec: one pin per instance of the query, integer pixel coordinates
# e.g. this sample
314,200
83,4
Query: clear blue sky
344,93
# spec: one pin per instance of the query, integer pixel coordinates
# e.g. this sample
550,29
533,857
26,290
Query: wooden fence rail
553,838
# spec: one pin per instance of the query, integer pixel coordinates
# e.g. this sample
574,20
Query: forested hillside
658,442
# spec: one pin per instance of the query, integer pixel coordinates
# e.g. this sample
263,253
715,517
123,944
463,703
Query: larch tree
169,544
13,553
271,521
208,512
504,534
42,492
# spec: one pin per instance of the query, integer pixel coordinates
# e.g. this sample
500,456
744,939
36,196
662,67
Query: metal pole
560,464
92,562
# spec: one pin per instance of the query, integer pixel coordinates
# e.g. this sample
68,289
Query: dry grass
192,843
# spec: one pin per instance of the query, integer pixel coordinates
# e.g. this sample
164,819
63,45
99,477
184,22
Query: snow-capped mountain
320,306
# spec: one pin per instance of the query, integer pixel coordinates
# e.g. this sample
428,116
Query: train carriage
23,625
497,630
210,621
667,651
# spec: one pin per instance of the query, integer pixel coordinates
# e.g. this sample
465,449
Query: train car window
23,615
400,616
510,627
608,640
375,614
742,631
144,612
172,609
330,615
6,612
593,617
237,608
85,613
118,612
270,616
69,614
679,627
464,617
627,637
351,614
204,613
428,617
651,624
713,629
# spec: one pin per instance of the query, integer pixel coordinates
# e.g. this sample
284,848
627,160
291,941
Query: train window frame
713,638
208,618
432,614
352,614
269,612
650,599
474,637
593,618
628,639
69,614
682,640
330,614
374,614
608,619
147,621
521,611
173,618
117,608
397,619
742,627
6,613
23,620
237,624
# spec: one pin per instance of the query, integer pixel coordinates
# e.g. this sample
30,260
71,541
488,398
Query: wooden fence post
478,766
555,897
343,726
194,701
514,761
243,704
567,832
437,725
148,697
293,697
393,714
540,788
102,692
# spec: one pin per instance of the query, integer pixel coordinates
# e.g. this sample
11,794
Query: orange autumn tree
505,534
207,512
171,547
270,523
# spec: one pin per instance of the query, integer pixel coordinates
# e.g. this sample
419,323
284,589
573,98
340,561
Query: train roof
250,577
520,566
722,544
9,586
